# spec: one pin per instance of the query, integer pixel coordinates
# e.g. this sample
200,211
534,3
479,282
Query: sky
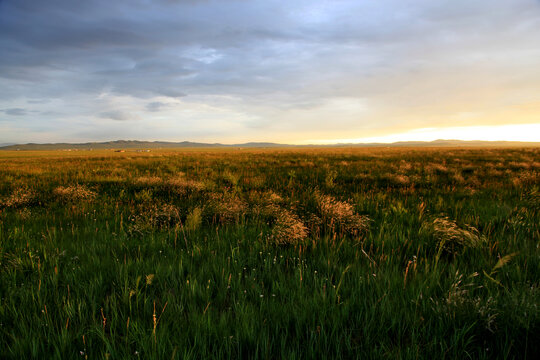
304,71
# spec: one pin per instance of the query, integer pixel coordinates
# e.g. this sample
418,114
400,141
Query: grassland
322,253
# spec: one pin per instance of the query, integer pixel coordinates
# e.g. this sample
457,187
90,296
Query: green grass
232,254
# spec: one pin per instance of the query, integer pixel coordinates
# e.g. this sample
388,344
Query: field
285,253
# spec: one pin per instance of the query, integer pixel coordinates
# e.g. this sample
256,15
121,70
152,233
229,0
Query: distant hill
118,144
135,144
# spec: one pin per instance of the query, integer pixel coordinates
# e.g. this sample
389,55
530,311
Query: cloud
409,64
15,112
116,115
155,106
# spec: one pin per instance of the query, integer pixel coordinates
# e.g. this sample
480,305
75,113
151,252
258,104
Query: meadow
405,253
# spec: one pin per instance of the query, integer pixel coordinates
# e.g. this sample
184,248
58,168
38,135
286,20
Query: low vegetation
282,253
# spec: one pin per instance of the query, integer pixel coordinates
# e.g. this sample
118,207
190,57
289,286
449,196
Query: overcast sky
264,70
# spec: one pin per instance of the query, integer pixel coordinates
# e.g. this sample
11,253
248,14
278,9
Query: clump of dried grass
267,198
521,179
288,228
264,203
437,168
148,218
401,179
20,197
148,180
460,301
519,165
226,207
74,193
182,186
340,215
531,200
164,215
457,177
254,182
405,165
451,238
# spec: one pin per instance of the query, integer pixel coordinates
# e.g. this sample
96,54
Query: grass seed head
340,215
148,180
20,197
288,228
182,186
226,207
453,239
74,193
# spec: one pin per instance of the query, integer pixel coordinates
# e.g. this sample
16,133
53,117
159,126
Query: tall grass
327,253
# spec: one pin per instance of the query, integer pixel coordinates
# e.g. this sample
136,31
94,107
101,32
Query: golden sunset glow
523,132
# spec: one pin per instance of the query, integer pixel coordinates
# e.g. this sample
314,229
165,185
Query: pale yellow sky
521,132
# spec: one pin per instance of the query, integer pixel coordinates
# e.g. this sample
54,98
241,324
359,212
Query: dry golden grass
405,165
458,178
452,238
146,218
340,215
226,207
437,168
267,198
148,180
181,185
401,179
20,197
74,193
288,228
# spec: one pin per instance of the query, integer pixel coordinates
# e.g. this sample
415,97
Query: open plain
270,253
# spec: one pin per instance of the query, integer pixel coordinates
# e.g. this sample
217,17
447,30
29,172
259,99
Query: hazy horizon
310,72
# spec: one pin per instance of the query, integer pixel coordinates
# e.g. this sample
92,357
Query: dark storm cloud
267,63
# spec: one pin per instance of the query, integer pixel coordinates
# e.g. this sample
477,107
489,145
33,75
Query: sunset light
269,179
523,132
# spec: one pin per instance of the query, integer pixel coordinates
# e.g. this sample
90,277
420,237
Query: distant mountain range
135,144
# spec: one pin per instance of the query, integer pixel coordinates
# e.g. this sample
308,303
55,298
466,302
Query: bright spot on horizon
521,132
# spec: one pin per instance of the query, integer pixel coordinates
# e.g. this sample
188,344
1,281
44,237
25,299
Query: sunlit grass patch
451,238
147,218
182,186
20,197
288,228
74,193
226,207
340,216
149,180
